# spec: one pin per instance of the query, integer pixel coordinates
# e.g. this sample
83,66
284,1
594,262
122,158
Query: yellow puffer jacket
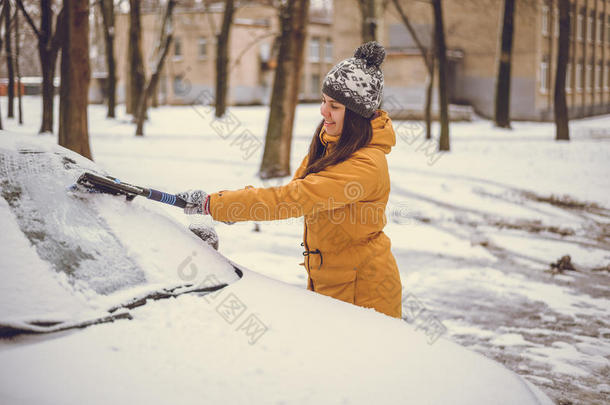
347,254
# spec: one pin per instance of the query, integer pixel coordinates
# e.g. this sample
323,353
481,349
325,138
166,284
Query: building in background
472,31
190,66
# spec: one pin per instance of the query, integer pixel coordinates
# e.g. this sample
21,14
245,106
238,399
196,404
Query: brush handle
166,198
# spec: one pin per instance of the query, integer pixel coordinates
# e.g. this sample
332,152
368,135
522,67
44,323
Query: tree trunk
222,60
369,20
299,35
154,79
502,104
428,57
441,55
563,54
48,48
429,88
49,44
135,75
75,75
17,70
107,11
9,59
284,96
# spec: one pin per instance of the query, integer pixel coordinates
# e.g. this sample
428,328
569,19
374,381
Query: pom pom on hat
372,52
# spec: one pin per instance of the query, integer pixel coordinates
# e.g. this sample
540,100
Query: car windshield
67,253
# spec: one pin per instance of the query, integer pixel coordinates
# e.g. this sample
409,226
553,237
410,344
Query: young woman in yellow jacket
341,189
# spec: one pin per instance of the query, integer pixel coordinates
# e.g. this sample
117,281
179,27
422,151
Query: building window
328,51
315,84
590,27
608,31
581,25
202,48
556,21
180,86
600,29
607,77
569,78
177,48
545,20
544,72
314,49
302,85
579,76
598,76
588,76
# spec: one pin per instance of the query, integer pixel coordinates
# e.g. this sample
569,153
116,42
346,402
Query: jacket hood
383,133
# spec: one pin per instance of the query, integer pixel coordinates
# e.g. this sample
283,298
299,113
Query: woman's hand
197,202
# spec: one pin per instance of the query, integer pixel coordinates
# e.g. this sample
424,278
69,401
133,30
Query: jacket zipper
305,241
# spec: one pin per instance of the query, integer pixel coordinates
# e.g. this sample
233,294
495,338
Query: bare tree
165,40
135,63
49,42
222,59
502,104
441,55
107,12
17,69
369,20
563,54
428,56
75,75
9,59
284,96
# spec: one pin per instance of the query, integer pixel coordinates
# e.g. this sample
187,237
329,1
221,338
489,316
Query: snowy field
474,231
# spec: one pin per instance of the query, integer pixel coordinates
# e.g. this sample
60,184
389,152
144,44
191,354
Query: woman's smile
333,113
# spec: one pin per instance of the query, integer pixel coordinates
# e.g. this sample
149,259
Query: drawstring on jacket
311,252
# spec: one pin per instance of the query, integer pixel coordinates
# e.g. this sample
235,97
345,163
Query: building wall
588,84
472,30
189,74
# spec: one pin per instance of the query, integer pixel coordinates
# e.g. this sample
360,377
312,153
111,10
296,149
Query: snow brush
95,183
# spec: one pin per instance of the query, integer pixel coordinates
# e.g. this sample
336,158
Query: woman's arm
344,183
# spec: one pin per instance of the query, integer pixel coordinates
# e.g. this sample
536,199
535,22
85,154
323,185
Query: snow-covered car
104,300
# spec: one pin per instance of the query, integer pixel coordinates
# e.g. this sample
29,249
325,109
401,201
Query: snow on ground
473,230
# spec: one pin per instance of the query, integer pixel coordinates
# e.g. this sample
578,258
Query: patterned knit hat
357,82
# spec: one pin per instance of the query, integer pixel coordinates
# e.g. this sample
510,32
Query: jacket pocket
333,280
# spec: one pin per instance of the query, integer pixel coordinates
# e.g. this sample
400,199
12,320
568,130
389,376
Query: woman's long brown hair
356,133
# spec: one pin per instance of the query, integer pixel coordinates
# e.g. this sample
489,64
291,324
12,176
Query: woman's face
333,113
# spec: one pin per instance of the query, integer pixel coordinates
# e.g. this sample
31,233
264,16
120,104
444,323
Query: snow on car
142,310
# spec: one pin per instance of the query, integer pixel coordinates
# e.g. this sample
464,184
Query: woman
341,188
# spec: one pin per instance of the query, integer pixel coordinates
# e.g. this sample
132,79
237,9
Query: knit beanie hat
357,82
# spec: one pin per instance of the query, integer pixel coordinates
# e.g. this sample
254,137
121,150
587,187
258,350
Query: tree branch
28,18
248,46
422,49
